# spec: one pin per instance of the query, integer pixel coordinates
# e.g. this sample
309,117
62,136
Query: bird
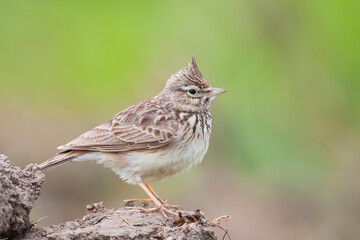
152,139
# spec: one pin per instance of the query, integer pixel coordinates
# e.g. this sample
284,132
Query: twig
126,221
226,232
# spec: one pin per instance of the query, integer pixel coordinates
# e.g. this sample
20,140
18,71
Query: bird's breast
193,142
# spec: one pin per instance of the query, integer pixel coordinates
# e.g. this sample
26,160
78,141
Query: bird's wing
115,136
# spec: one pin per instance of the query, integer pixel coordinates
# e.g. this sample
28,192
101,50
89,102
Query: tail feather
59,159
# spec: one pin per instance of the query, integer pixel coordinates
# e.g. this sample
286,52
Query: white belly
159,165
153,165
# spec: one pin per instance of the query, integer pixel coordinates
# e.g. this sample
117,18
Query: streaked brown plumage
153,139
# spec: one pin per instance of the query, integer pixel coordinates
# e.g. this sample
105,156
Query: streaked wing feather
114,136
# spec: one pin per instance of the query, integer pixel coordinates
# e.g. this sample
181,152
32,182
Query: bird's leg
158,198
154,193
159,205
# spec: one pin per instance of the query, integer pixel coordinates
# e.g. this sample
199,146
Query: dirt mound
19,190
128,223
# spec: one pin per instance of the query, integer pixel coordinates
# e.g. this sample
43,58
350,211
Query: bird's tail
59,159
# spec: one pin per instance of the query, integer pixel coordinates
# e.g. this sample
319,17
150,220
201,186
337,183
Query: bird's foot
163,210
166,205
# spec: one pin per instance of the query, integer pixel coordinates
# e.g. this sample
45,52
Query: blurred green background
285,149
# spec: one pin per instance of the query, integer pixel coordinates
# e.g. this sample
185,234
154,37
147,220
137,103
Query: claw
171,206
162,209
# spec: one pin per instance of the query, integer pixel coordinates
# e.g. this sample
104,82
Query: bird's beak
215,91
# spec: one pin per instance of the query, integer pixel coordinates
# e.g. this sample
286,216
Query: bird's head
189,91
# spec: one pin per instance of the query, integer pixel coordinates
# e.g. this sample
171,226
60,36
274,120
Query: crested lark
153,139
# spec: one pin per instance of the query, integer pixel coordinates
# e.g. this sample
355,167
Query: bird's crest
190,73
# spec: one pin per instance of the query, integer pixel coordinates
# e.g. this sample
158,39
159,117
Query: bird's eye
192,91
